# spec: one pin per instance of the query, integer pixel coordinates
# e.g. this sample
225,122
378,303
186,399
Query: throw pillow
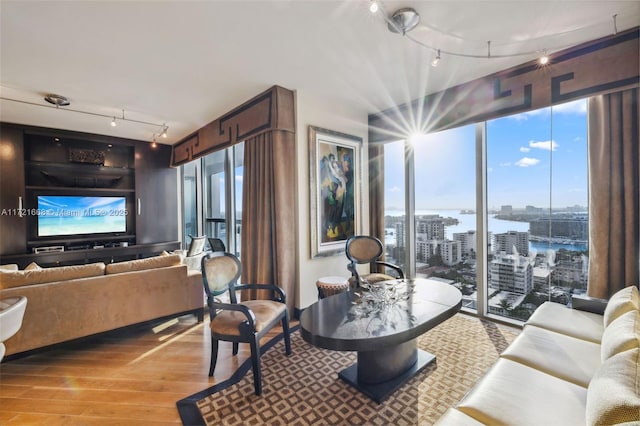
613,396
621,302
9,267
621,335
33,266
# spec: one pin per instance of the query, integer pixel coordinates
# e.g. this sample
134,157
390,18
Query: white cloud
527,162
524,149
505,164
394,189
546,145
525,115
578,107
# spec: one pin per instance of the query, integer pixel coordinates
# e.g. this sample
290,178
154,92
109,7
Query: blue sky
524,152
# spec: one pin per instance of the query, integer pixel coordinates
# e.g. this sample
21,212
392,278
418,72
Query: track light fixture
436,60
406,19
61,101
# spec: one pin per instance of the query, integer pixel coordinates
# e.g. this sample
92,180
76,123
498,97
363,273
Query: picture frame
334,190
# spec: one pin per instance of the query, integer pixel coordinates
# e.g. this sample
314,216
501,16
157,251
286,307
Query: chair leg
255,363
286,333
214,356
235,348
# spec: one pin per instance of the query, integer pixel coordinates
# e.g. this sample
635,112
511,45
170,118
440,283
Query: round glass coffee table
381,323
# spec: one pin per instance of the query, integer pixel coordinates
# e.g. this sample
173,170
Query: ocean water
467,222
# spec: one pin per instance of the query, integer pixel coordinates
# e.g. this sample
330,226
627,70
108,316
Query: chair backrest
196,246
363,249
220,272
217,244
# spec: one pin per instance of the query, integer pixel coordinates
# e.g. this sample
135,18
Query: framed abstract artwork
334,192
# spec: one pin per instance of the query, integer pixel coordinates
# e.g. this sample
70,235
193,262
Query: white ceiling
186,63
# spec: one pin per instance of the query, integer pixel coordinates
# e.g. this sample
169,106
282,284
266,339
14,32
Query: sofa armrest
585,303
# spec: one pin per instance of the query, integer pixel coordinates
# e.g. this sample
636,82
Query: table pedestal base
361,375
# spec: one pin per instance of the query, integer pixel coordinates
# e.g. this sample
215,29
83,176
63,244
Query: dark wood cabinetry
156,213
37,162
13,228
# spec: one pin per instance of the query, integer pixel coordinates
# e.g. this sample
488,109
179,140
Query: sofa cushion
621,335
572,322
614,392
621,302
513,393
566,357
9,267
10,279
455,417
143,264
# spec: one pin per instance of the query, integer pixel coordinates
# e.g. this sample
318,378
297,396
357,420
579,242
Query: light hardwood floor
133,377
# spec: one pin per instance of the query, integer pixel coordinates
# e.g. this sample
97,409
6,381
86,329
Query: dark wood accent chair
244,322
361,249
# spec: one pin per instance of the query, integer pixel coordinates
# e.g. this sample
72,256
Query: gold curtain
376,193
614,204
268,213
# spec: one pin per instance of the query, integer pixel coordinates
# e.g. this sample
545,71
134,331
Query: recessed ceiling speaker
403,20
57,100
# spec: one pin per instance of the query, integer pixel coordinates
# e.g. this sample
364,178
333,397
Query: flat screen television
60,215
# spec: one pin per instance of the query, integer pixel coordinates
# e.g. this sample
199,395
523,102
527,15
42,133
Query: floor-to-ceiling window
221,182
394,202
533,243
189,201
445,206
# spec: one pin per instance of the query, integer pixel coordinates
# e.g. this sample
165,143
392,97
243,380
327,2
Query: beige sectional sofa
567,367
65,303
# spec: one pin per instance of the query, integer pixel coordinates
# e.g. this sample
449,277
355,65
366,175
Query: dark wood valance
596,67
270,110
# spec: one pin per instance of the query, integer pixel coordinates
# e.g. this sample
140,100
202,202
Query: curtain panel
614,202
268,216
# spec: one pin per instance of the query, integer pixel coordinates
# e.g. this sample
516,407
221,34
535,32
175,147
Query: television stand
79,255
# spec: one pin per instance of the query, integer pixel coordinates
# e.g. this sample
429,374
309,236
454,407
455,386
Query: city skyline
523,151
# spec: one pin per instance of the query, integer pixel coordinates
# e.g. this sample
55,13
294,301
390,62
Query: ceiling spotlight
373,7
544,59
436,60
113,122
154,143
57,100
403,20
164,132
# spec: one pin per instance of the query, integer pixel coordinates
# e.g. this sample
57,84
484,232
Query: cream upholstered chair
362,249
195,252
11,313
245,322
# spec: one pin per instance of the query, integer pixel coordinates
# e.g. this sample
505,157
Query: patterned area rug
304,388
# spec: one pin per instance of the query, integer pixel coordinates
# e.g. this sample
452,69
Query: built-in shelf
73,175
82,190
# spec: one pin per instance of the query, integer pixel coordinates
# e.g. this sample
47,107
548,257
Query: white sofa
567,367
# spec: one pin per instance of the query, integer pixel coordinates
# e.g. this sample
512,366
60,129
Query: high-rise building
570,228
450,252
507,241
430,227
467,242
512,273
